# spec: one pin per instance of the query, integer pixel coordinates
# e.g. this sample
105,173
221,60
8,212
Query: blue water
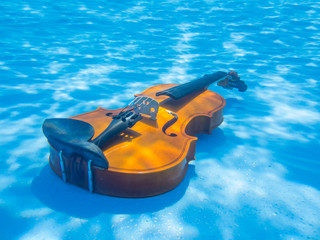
256,177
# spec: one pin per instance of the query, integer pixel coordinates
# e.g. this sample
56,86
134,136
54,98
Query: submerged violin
142,149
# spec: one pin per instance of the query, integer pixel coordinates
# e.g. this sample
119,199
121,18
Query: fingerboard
185,89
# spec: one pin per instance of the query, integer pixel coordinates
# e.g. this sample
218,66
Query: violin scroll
233,81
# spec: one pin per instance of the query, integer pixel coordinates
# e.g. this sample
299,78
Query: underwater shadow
232,103
216,145
77,202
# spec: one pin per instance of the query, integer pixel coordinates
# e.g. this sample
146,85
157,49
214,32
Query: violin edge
126,185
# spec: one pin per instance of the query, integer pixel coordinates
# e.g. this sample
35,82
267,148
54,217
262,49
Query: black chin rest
72,136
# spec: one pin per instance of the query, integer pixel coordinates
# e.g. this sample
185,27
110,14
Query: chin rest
72,137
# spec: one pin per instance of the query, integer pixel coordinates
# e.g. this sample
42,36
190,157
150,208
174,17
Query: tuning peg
233,81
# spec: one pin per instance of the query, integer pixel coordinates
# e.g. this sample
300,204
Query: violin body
144,148
151,157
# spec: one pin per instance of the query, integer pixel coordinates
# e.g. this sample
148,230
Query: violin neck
185,89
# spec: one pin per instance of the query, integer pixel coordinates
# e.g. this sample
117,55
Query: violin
144,148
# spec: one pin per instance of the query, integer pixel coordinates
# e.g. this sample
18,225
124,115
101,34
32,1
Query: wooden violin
142,149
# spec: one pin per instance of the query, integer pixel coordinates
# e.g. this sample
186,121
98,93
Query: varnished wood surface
143,160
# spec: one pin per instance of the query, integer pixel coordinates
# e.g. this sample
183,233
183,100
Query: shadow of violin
77,202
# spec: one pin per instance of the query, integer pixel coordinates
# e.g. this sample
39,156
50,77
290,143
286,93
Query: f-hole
169,124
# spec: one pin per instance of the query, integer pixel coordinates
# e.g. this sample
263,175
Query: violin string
130,106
